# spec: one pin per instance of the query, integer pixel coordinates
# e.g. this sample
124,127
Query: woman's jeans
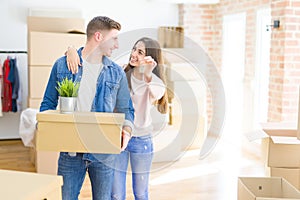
74,168
140,152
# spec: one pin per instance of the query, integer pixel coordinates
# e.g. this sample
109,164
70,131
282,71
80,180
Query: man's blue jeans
140,152
74,168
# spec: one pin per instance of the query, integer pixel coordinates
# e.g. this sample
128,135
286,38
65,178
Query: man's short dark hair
101,23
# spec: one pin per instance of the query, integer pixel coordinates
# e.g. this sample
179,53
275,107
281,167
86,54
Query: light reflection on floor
214,177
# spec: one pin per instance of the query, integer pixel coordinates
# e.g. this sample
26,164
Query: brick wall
200,24
285,61
203,24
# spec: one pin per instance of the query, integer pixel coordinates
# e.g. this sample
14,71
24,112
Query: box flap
81,117
288,129
285,140
288,190
280,128
255,135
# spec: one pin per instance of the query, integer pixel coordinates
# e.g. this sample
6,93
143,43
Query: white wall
132,14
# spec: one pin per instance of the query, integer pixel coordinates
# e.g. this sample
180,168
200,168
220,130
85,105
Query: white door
233,64
262,67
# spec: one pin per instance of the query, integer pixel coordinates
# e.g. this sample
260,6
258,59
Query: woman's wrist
127,130
148,77
127,133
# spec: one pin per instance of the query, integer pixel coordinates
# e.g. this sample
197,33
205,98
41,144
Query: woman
146,80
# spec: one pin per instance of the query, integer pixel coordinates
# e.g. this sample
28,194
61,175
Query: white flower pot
67,104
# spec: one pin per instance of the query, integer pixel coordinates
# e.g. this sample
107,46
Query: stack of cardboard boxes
48,39
281,151
284,156
187,97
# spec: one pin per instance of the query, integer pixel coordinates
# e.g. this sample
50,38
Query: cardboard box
38,79
46,162
44,48
29,186
181,72
34,103
292,175
32,155
193,130
188,89
255,188
167,145
55,24
171,36
298,125
280,147
91,132
280,128
284,152
188,101
178,68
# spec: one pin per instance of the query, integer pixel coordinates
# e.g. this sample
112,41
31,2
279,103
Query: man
103,88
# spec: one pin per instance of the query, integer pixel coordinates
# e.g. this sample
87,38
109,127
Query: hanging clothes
13,77
7,88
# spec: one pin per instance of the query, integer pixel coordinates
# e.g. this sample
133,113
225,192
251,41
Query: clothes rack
9,122
13,51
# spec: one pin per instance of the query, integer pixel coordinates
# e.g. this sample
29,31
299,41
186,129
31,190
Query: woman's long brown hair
153,49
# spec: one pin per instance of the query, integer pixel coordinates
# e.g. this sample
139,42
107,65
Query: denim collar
105,60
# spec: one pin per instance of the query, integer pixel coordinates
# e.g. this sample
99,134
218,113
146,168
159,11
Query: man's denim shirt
112,93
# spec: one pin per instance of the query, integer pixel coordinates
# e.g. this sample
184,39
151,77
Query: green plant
67,88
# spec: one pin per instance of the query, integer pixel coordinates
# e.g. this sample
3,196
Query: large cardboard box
46,162
181,71
280,147
192,128
29,186
167,145
298,125
34,103
171,36
284,152
178,68
38,79
55,24
292,175
185,92
259,188
91,132
188,106
44,48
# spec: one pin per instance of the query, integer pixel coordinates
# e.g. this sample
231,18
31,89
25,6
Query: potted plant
68,92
